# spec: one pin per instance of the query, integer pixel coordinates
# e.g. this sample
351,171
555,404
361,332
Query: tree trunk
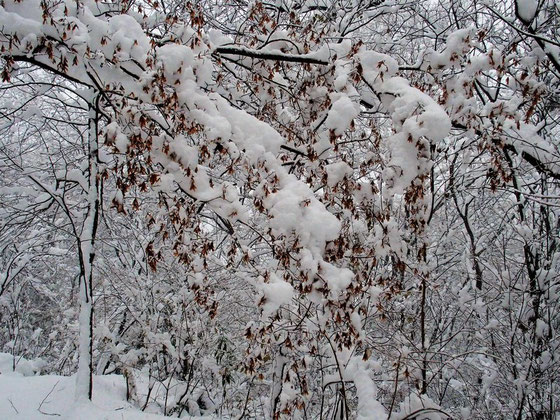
86,250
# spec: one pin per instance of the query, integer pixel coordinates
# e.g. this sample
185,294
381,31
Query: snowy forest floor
27,395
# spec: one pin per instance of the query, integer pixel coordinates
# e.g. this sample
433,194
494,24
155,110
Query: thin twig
13,406
44,399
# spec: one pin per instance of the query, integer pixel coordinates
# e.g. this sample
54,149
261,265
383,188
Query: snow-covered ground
25,394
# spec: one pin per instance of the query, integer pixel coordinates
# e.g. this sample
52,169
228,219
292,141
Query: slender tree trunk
277,383
86,250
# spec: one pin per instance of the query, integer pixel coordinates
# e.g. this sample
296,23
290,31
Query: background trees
299,209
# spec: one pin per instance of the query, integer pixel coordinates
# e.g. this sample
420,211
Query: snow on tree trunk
84,379
278,368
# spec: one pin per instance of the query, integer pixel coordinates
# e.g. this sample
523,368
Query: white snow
341,114
368,406
277,293
337,278
336,172
28,397
425,407
294,208
527,9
